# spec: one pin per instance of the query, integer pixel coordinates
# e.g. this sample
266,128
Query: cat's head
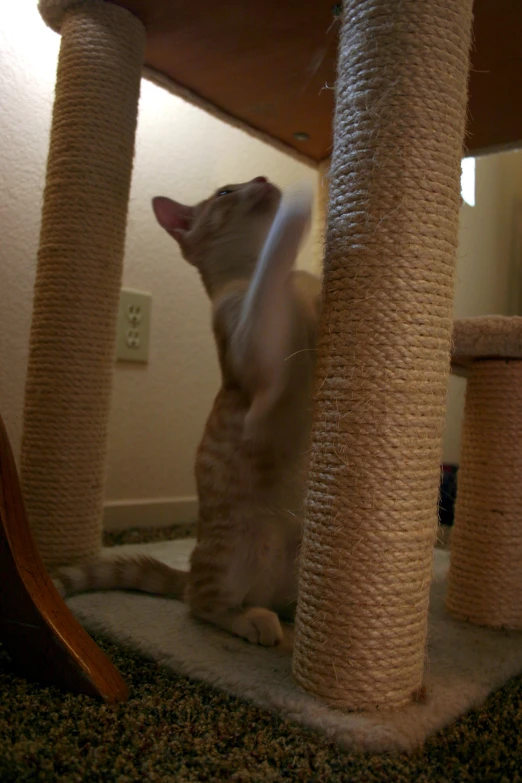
223,235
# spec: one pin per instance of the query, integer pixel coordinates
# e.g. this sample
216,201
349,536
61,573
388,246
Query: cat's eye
224,192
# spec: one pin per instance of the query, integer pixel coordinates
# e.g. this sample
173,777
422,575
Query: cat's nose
260,179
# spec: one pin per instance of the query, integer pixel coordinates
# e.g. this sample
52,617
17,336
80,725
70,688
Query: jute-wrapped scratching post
485,580
383,358
78,278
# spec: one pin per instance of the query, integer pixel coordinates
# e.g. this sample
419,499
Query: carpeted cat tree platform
375,662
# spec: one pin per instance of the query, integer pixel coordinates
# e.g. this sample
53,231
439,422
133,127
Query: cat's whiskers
296,353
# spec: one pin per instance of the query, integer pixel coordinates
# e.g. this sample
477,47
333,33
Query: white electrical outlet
132,344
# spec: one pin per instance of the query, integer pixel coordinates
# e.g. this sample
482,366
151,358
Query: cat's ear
174,217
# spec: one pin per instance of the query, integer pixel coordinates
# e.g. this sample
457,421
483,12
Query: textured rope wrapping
485,580
69,378
493,336
53,12
383,358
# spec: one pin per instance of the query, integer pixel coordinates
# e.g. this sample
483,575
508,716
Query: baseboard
124,514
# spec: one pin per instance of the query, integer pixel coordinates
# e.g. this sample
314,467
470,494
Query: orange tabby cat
252,461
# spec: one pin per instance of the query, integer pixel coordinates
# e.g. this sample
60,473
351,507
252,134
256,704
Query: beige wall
158,409
488,277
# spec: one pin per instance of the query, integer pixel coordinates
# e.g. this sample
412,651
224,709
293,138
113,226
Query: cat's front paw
261,626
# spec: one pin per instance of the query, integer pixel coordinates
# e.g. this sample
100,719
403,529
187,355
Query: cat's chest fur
251,496
234,472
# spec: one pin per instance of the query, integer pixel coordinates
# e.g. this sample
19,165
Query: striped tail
140,572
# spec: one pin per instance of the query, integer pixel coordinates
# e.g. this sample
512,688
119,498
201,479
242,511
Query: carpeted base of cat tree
465,663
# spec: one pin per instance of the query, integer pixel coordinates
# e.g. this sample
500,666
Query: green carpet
173,729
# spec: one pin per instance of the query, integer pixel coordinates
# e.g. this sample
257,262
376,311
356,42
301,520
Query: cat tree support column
383,359
78,278
485,578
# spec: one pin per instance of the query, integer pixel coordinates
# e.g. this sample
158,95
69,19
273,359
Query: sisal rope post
383,358
485,578
78,277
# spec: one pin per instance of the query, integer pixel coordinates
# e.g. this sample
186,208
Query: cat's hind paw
260,626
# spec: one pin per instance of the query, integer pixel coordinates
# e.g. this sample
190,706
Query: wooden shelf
271,64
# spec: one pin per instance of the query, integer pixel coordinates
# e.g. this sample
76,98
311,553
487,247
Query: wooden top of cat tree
271,65
488,337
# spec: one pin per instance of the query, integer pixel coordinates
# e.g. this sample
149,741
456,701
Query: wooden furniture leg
37,629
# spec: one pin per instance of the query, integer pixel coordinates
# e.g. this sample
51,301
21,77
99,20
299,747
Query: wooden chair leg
43,638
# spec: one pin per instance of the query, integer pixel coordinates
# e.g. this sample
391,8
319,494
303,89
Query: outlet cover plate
132,342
